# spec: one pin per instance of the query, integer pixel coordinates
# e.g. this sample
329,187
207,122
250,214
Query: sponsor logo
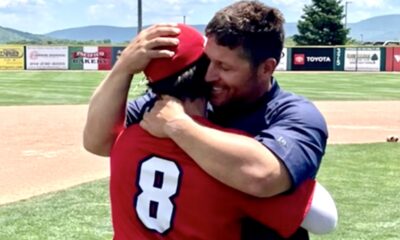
47,64
79,54
10,53
299,59
321,59
35,55
91,61
374,58
397,58
338,56
119,52
363,57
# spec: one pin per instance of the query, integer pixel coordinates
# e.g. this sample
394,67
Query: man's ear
267,68
271,64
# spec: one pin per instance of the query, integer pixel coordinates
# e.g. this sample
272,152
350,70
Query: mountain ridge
379,28
13,35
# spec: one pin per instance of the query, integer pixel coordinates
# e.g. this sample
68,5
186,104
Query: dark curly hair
255,27
186,84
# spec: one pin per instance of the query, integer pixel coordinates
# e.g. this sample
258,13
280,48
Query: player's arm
236,160
322,217
105,117
106,113
277,159
309,206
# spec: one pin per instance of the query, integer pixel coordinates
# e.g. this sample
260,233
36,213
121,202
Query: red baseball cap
190,48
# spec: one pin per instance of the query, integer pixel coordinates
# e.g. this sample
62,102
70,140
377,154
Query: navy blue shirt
287,124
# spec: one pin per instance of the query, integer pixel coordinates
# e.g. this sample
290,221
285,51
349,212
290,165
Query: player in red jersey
158,192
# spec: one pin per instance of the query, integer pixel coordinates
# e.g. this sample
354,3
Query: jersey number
158,181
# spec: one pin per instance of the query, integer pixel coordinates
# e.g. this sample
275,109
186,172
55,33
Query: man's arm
237,161
106,114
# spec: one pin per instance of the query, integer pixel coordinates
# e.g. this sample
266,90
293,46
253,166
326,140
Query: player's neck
195,107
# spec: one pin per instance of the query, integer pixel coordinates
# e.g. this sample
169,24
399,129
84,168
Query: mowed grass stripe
363,180
76,87
343,85
33,88
43,88
81,212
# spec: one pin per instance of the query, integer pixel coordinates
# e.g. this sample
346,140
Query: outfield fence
365,59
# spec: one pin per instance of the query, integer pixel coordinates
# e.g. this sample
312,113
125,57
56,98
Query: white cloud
357,9
20,3
98,11
362,9
368,3
24,15
175,2
8,3
209,1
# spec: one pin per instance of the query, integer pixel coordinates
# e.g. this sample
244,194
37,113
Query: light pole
139,27
345,13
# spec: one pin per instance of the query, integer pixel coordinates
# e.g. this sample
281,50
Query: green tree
321,24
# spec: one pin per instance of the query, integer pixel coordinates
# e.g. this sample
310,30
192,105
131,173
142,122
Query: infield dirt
41,146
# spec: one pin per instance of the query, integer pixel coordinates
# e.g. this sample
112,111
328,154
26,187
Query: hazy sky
41,16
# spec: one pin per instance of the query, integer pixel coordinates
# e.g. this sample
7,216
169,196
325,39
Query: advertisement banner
105,58
11,57
393,59
314,59
47,57
75,59
338,64
116,52
282,66
362,59
90,58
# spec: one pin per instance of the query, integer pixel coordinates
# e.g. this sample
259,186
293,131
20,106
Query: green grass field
363,179
38,88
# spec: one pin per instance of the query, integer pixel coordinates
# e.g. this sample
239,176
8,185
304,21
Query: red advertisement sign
299,59
105,55
393,59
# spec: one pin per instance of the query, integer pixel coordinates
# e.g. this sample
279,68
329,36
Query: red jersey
158,192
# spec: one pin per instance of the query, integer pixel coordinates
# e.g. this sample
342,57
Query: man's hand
150,43
160,121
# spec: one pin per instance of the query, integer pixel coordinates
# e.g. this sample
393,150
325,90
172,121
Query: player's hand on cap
160,120
152,42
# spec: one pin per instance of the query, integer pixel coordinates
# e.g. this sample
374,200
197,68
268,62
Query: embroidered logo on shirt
282,141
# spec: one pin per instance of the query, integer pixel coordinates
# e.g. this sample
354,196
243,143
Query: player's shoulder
298,107
207,123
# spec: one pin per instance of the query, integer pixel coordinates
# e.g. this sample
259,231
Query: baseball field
50,188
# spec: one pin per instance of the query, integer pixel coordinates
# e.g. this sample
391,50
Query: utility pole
139,27
345,14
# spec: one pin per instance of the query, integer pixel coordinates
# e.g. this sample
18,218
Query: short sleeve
297,135
136,108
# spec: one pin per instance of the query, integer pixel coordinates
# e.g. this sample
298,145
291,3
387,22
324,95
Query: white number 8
158,181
